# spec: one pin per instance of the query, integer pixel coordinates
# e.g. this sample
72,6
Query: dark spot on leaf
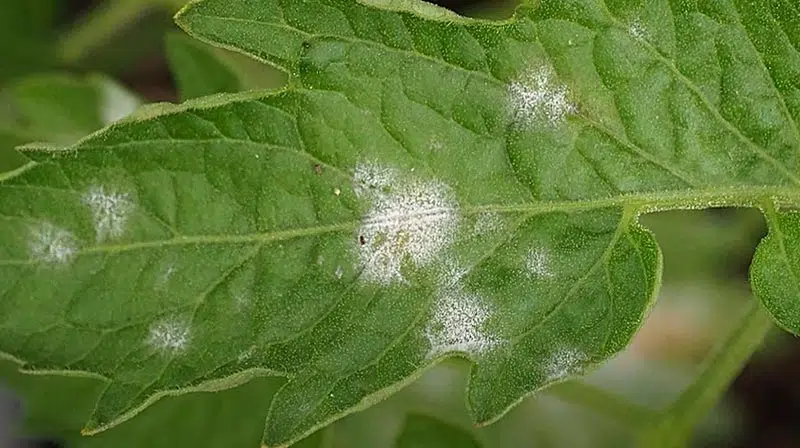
362,240
318,168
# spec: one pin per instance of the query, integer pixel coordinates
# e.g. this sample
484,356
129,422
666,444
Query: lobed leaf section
427,186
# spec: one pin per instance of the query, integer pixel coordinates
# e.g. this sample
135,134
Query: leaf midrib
639,203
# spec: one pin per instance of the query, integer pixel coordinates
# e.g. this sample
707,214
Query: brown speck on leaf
318,168
362,240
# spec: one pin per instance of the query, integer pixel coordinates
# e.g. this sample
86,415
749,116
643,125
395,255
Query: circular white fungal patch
458,323
50,244
171,334
536,98
410,220
563,363
537,263
110,211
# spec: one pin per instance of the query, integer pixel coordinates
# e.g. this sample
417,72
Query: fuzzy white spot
110,211
337,191
458,323
637,30
339,272
245,355
459,316
171,334
537,263
410,220
436,145
537,98
563,363
371,179
488,222
51,244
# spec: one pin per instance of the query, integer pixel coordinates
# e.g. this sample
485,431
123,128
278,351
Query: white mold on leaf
339,273
459,317
563,363
51,244
110,211
537,263
371,179
458,324
536,98
488,223
637,30
171,334
410,220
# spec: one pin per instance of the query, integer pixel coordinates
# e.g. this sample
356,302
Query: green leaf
62,109
427,186
775,266
26,34
57,406
197,70
424,431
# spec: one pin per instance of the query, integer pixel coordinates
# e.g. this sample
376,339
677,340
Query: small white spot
320,259
171,334
258,156
537,98
537,263
51,244
110,211
564,363
488,222
240,301
410,220
569,42
168,273
436,145
637,30
339,272
245,355
370,179
337,191
458,323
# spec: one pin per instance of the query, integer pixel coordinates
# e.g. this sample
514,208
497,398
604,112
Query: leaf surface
428,185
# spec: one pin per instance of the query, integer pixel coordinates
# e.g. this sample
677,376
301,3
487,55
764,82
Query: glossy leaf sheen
428,185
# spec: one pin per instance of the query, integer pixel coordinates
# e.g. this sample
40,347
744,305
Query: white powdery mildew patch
110,211
410,220
537,263
459,317
51,244
458,323
537,98
487,223
637,30
171,334
371,179
563,363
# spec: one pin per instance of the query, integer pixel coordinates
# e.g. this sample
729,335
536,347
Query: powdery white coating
51,244
458,323
488,222
537,98
371,179
564,362
339,272
171,334
410,221
459,316
537,263
110,211
637,30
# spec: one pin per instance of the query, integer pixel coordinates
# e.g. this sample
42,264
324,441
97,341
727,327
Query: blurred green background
70,67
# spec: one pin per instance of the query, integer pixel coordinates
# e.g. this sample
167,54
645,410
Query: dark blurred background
707,253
